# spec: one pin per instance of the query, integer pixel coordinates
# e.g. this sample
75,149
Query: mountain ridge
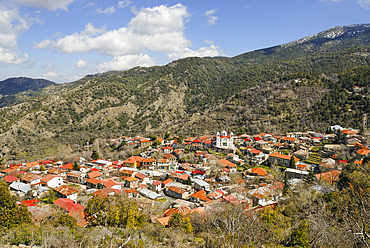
256,91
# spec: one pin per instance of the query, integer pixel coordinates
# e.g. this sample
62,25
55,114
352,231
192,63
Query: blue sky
64,40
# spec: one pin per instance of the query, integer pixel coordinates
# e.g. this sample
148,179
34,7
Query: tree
117,210
299,236
167,136
152,137
178,221
286,187
292,163
189,182
156,143
42,168
11,213
95,154
76,167
310,177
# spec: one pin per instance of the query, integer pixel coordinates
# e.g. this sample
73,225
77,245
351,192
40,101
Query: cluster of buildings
228,168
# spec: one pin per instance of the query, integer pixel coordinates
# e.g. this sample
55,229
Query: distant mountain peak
334,33
12,86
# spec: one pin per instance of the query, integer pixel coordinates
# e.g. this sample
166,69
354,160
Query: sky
65,40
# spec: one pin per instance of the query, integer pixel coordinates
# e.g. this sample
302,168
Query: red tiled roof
66,190
69,205
201,194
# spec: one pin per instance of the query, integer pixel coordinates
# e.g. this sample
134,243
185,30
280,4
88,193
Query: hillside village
187,174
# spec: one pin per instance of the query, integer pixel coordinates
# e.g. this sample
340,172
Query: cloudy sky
64,40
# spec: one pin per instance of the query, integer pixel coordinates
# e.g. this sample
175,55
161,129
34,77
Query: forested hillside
300,85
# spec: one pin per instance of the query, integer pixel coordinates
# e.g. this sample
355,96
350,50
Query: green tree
65,220
11,213
292,163
299,236
286,187
95,154
42,168
152,137
117,210
167,136
178,221
156,143
310,177
76,167
189,182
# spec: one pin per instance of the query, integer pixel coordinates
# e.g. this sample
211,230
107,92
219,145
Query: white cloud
47,4
159,29
108,10
9,57
211,19
50,74
364,4
209,42
210,51
42,45
124,4
12,24
126,62
81,63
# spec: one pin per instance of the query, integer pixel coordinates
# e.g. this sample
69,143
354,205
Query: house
142,177
177,192
134,162
281,159
156,185
65,191
226,164
31,178
111,183
293,173
327,164
201,185
69,205
19,186
9,179
128,173
199,196
93,183
94,174
76,177
330,176
180,210
145,143
131,182
163,164
52,181
57,171
167,181
257,172
32,166
260,195
167,149
148,162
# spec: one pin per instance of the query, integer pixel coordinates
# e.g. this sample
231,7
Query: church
225,141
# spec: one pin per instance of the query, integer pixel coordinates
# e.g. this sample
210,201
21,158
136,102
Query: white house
201,185
65,191
52,181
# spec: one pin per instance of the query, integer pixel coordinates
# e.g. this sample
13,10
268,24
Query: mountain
16,90
12,86
270,90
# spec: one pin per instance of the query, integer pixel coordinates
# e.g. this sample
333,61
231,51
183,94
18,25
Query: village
188,174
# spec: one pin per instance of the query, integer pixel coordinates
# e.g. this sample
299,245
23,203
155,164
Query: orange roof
330,176
226,163
180,210
66,190
167,181
47,178
259,171
177,190
255,151
164,220
287,157
346,131
363,151
32,164
131,179
201,195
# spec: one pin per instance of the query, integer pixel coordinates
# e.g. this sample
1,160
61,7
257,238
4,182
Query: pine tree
42,168
95,155
292,163
286,187
76,167
189,182
310,177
